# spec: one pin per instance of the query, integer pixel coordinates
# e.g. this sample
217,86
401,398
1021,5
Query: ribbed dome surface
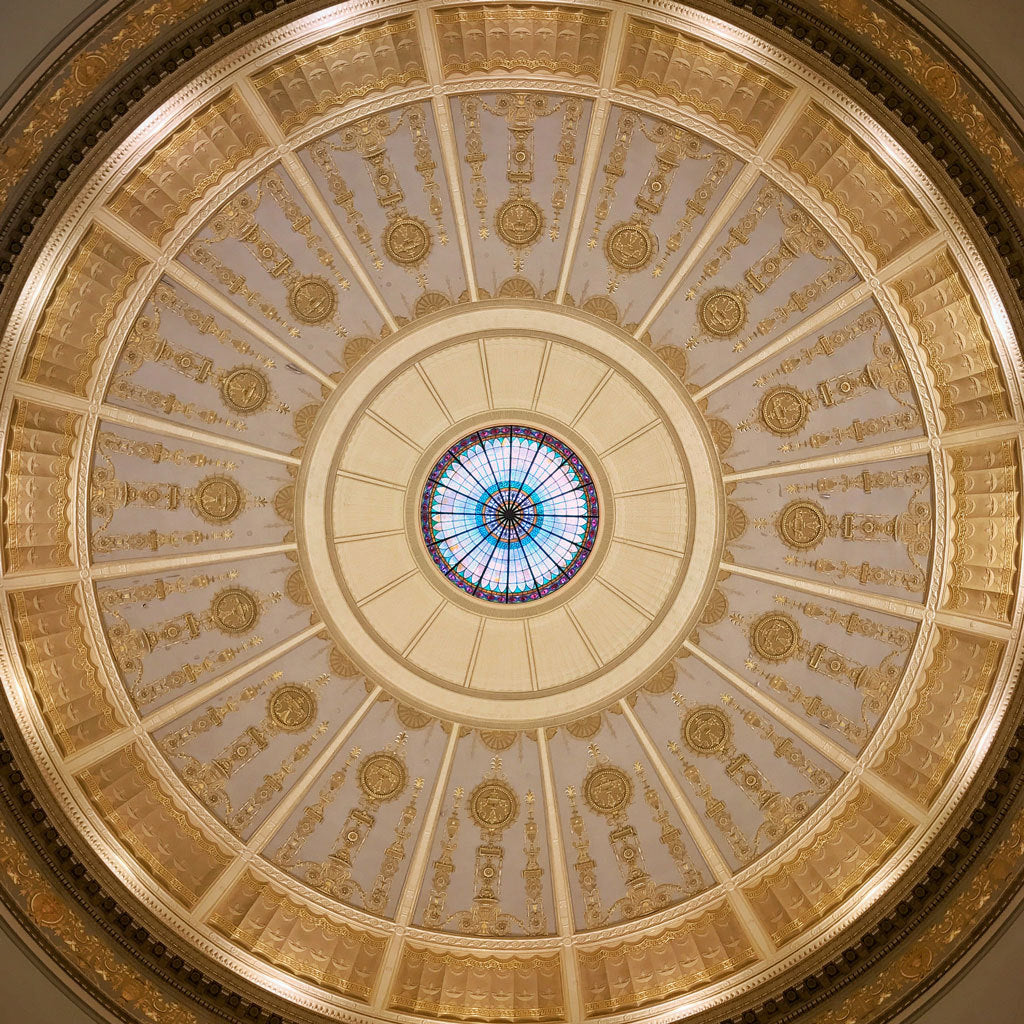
511,513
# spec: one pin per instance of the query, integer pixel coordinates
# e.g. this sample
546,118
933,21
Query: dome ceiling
511,513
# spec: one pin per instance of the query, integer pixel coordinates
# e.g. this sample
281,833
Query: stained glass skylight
509,514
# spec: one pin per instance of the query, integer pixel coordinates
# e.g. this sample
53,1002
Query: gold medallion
46,908
519,221
607,789
493,805
706,730
774,636
292,707
218,499
722,313
801,524
312,300
407,241
244,389
629,247
783,411
382,776
235,610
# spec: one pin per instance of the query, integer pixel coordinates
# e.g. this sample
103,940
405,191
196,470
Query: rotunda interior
510,511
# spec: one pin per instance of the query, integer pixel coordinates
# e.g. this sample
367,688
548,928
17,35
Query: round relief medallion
509,514
629,246
607,790
382,776
292,707
722,312
312,300
218,499
245,389
493,805
802,524
235,610
407,241
706,730
519,221
775,636
783,411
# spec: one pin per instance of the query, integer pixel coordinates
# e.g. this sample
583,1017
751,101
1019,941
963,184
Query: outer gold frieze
848,175
808,885
333,73
935,727
464,986
157,830
80,310
61,669
178,173
513,37
300,941
627,974
37,493
701,76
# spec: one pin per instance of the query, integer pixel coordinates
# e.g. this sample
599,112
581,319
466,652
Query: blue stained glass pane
509,514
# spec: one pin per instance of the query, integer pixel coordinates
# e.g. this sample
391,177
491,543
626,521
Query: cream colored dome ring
635,598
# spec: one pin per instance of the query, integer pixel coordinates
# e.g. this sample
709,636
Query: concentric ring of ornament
386,616
509,514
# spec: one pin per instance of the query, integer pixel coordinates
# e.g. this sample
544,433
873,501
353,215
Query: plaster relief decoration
511,512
